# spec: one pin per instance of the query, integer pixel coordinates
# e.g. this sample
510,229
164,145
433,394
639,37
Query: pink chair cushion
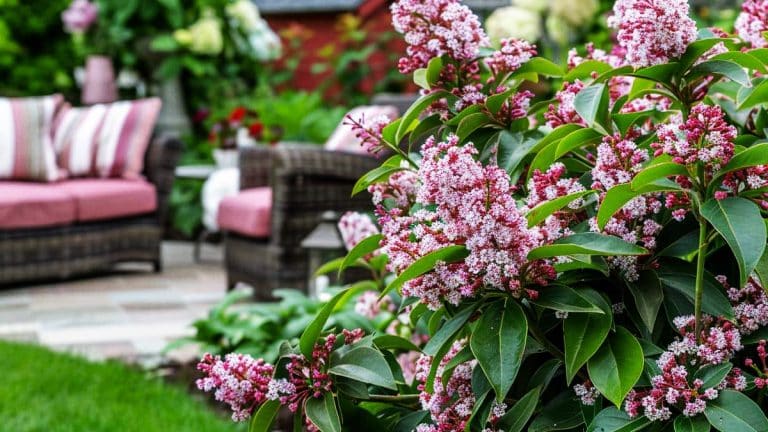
34,205
98,199
344,139
248,213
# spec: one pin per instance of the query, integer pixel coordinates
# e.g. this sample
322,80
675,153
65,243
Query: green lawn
42,391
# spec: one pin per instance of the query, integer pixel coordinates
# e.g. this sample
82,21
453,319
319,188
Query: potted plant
595,261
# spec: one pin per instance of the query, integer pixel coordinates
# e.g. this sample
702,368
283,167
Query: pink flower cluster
753,22
473,206
80,16
512,54
451,402
515,107
369,131
369,305
564,111
549,185
355,227
675,386
399,189
751,178
750,305
652,31
618,161
587,393
433,28
238,380
761,380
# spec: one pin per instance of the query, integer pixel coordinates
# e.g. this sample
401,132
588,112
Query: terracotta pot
99,84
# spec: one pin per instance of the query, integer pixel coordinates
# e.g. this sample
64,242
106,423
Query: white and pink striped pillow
105,140
26,148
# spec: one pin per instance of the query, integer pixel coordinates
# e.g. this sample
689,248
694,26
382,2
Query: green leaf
753,156
564,298
591,103
413,113
659,73
323,414
409,422
587,244
561,413
499,343
691,424
434,67
426,263
617,365
388,341
513,147
583,334
613,419
656,172
366,246
648,296
264,417
618,196
315,328
696,49
755,96
539,213
734,411
420,78
373,176
515,418
682,279
446,333
761,269
728,69
713,375
585,70
540,66
332,265
365,365
738,220
472,123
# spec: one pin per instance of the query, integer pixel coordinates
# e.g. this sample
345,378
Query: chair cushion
248,213
105,140
98,199
26,134
344,138
34,205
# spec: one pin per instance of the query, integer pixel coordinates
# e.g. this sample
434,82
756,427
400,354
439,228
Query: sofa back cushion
26,148
344,139
105,140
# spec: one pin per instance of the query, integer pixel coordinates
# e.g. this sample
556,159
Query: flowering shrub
595,261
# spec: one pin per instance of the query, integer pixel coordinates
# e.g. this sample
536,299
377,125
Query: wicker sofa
80,245
304,181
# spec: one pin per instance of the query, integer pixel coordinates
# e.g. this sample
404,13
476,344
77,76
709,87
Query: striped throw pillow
105,140
26,148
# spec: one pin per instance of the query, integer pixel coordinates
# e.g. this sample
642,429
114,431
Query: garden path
130,315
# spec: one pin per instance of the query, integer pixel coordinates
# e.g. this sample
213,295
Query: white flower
202,37
245,14
513,22
532,5
576,13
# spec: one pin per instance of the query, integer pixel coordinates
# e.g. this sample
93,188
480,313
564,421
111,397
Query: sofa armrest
160,166
302,160
255,166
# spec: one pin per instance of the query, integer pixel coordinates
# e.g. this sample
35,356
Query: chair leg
157,265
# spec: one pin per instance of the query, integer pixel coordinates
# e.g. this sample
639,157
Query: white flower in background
533,5
202,37
576,13
245,14
513,22
263,41
557,29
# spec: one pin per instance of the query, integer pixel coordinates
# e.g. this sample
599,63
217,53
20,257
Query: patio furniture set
83,189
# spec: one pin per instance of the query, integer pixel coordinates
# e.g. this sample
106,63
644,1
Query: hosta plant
593,261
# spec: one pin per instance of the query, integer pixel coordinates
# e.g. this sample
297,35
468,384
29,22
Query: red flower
237,114
255,130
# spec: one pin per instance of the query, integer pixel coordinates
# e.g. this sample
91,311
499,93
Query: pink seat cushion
344,138
98,199
34,205
248,213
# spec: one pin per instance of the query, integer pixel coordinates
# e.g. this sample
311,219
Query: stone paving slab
129,315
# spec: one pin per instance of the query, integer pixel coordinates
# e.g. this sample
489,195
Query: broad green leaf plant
588,260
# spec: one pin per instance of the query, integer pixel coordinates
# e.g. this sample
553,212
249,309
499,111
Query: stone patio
130,315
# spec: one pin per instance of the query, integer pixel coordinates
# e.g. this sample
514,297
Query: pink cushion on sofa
248,213
98,199
33,205
344,138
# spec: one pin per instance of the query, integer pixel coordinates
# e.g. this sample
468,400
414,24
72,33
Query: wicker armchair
37,254
306,181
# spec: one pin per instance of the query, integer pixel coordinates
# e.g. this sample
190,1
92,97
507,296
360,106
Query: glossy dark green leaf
585,70
613,419
587,244
617,365
388,341
426,263
409,422
659,73
515,419
682,279
264,417
752,156
733,411
656,172
499,344
315,328
561,413
591,102
566,299
618,196
583,334
691,424
322,413
413,113
732,71
713,375
365,365
541,66
542,211
373,176
471,123
754,96
739,221
366,246
447,331
648,295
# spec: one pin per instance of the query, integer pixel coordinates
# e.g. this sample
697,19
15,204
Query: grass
43,391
